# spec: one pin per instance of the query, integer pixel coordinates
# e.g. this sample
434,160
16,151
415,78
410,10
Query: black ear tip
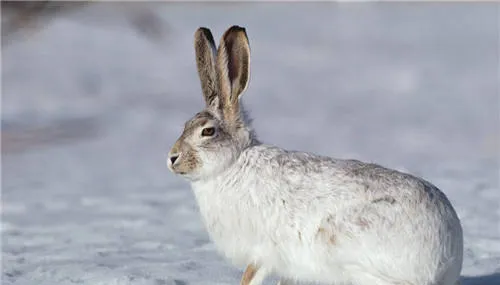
206,33
234,31
237,28
203,30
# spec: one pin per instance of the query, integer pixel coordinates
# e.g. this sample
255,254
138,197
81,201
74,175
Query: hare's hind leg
253,275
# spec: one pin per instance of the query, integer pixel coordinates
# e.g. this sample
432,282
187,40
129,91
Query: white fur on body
312,218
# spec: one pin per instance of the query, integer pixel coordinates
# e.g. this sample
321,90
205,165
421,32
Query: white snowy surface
89,111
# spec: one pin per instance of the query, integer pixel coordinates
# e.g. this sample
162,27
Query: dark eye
208,132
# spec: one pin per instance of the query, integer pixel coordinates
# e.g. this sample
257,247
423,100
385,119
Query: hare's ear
204,46
233,67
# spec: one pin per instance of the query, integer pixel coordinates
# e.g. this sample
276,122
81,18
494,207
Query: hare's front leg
253,275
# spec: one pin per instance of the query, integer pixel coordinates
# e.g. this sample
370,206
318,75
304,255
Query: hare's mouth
175,171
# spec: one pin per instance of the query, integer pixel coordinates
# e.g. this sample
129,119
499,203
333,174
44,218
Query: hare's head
215,137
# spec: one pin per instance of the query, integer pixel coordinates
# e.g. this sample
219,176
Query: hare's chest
229,225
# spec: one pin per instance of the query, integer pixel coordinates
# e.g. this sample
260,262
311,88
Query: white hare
300,216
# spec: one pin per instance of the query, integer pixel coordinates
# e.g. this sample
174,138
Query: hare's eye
208,132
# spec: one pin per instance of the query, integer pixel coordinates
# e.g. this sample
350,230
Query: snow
90,110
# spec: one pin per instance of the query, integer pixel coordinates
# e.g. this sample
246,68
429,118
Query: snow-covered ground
90,110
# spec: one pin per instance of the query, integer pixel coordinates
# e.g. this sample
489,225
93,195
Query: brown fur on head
213,139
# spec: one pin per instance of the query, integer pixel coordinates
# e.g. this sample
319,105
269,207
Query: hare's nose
173,158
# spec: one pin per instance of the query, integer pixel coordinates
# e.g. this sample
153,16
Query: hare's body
300,216
303,216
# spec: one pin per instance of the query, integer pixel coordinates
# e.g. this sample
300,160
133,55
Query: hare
300,216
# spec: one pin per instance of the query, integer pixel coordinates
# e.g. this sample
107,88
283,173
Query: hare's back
323,183
351,179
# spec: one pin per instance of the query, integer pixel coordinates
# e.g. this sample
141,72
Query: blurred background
95,94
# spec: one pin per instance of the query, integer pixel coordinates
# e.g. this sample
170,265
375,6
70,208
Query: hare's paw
254,275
